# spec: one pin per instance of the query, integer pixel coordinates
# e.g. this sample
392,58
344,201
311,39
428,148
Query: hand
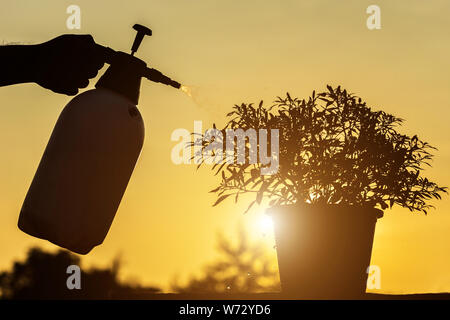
66,63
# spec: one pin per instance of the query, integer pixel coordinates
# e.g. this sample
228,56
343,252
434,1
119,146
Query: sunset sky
232,52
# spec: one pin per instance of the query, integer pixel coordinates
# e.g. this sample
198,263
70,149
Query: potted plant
340,165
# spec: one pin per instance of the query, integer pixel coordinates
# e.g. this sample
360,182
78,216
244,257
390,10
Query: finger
88,70
83,83
93,66
91,62
87,39
71,92
97,57
99,65
103,54
91,73
85,45
96,60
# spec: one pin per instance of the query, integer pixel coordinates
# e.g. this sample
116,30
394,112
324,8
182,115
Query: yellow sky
232,52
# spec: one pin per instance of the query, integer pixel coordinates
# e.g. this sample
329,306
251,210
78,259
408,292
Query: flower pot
324,250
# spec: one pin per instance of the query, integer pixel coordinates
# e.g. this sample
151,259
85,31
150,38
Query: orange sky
235,52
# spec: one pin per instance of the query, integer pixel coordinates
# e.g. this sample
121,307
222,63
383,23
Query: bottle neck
123,76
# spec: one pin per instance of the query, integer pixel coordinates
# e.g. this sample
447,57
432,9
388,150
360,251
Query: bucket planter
324,250
338,166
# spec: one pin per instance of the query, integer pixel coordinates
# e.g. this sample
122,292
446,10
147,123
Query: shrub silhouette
43,276
244,267
334,149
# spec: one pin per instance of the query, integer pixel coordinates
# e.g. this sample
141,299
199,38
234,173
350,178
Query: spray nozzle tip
156,76
176,85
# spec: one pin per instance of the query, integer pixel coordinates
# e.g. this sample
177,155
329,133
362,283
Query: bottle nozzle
111,55
157,76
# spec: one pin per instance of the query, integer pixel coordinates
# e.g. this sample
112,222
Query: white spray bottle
90,157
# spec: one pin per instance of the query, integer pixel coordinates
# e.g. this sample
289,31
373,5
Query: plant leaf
221,198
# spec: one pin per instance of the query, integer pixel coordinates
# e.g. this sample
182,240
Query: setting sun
265,224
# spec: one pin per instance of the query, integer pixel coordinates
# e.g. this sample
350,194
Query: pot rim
378,213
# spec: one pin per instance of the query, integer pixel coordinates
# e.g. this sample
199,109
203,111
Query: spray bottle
90,156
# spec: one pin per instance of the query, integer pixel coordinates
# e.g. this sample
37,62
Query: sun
265,224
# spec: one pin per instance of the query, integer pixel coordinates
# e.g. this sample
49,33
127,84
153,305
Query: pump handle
141,32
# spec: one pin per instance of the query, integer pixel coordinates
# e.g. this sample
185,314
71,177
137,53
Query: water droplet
186,90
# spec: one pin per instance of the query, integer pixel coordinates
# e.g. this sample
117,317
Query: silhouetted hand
66,63
63,64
